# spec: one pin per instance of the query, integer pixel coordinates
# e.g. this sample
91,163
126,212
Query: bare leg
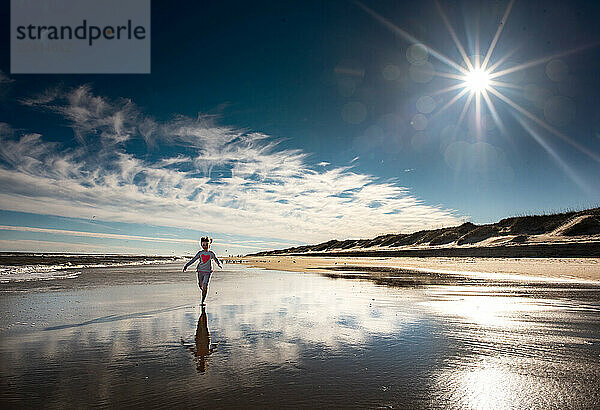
204,292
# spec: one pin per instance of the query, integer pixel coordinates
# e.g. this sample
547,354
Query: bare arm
195,258
216,259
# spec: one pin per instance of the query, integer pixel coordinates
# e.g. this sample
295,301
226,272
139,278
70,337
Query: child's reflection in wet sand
202,348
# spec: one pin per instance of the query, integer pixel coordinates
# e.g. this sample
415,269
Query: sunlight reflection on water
270,338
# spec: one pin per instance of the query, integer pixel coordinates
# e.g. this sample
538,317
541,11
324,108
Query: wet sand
587,269
136,336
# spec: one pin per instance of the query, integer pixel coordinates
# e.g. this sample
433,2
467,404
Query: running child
204,267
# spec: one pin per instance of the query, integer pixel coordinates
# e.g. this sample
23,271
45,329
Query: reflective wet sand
136,336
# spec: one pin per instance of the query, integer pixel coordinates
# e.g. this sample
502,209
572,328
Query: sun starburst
486,79
477,80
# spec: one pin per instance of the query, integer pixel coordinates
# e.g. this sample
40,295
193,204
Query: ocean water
136,336
22,267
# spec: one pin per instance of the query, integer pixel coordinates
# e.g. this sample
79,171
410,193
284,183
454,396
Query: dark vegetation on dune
521,228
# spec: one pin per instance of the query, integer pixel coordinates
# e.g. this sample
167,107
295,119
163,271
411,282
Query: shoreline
573,249
559,269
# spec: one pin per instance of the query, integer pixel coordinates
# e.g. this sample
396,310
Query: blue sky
268,125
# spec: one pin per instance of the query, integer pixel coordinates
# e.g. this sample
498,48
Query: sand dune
562,246
569,234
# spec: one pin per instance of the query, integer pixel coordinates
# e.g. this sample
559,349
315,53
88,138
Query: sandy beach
587,269
136,336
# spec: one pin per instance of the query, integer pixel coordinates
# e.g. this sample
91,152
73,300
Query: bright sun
477,80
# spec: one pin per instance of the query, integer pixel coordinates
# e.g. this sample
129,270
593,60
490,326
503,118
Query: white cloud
91,116
222,243
215,179
93,234
31,245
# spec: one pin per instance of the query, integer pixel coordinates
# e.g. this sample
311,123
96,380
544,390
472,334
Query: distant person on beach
204,267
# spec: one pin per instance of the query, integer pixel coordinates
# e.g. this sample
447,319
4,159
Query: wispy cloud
93,234
223,243
36,245
92,116
215,179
